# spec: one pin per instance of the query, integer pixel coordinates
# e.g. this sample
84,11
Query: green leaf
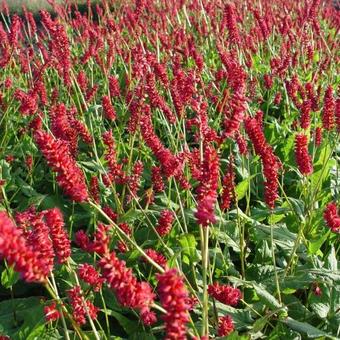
188,247
306,328
22,319
331,261
141,336
268,298
242,187
128,325
9,277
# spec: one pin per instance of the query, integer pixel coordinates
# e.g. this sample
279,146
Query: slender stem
204,231
277,283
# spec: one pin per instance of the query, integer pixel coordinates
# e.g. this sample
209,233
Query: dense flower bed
170,169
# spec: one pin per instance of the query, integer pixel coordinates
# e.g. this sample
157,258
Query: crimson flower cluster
165,221
60,239
228,182
100,243
69,176
225,325
89,275
129,292
51,312
156,256
17,252
328,114
332,217
225,294
270,162
80,306
173,297
207,189
302,156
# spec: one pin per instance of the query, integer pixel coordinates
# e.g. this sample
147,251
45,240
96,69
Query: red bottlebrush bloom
332,218
135,179
165,222
156,256
129,292
61,242
94,189
157,180
225,325
89,275
241,143
236,115
82,131
156,100
38,238
259,118
90,93
270,163
207,190
114,87
51,312
8,83
115,170
78,306
318,136
108,109
82,81
305,114
170,164
277,98
17,252
122,247
109,212
229,19
28,102
126,228
101,241
59,45
225,294
228,181
70,177
268,81
61,127
328,114
192,301
148,317
337,114
303,159
82,240
173,297
29,162
36,123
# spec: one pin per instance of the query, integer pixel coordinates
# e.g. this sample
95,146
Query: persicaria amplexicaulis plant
169,169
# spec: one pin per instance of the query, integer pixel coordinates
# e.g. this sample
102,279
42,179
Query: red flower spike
225,325
89,275
51,312
332,217
18,253
302,157
207,190
60,240
129,292
225,294
173,297
69,176
165,222
328,113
